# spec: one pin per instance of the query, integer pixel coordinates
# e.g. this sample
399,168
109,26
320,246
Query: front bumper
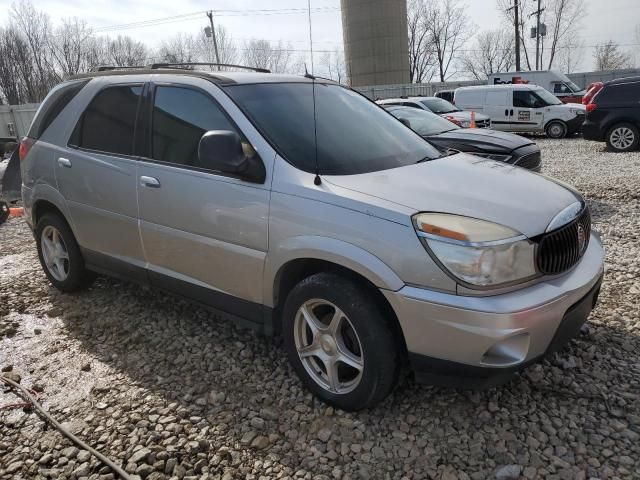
575,124
481,341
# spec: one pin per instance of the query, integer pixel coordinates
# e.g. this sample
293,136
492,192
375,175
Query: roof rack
106,68
155,66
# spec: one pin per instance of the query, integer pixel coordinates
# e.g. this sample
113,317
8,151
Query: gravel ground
169,391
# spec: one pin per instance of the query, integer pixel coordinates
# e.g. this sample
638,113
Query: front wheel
339,343
556,129
623,137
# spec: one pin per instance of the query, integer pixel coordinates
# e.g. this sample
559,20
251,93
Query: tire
623,137
4,212
374,347
556,129
66,274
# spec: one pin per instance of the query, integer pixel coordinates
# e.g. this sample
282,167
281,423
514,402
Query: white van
522,108
555,82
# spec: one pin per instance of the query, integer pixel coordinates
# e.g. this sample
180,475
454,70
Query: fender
45,192
331,250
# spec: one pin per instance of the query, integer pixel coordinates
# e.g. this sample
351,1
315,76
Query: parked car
297,206
440,107
487,143
613,114
522,108
445,95
551,80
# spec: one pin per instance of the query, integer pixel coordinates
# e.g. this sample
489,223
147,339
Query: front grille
529,161
561,249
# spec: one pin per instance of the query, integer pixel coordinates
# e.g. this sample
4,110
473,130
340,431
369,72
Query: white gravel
171,392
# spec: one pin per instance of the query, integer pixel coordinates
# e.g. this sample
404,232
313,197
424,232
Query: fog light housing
508,352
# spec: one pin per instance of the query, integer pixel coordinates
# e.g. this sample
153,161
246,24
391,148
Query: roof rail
188,64
106,68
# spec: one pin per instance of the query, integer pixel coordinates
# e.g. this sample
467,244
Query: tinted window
526,99
107,125
353,134
423,122
180,117
438,105
51,107
561,88
621,94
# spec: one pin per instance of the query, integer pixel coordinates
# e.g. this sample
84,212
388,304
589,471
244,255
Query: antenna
310,34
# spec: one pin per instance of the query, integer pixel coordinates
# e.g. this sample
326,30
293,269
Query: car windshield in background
438,105
423,122
574,88
354,135
548,97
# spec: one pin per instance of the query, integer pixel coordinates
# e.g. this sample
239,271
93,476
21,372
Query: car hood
462,115
483,138
467,185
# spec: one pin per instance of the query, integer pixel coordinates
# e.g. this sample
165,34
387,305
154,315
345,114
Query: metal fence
16,119
582,79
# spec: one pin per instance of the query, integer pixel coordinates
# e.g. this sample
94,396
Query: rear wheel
339,343
623,137
556,129
60,254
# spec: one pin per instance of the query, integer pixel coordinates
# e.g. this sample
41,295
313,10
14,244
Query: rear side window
180,117
53,105
624,94
108,123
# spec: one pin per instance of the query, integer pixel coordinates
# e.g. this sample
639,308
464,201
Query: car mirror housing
223,151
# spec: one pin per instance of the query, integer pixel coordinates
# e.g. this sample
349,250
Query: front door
527,113
204,234
96,174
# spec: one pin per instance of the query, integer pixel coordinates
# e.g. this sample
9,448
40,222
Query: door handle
506,112
511,112
64,162
152,182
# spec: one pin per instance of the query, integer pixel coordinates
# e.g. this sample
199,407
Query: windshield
423,122
574,88
548,97
353,134
438,105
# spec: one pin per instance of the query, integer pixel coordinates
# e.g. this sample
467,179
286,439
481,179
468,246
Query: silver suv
298,207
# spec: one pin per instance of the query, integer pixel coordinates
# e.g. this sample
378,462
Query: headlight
476,252
576,111
492,156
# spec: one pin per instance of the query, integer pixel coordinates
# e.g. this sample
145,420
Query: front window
547,97
353,134
574,88
423,122
438,105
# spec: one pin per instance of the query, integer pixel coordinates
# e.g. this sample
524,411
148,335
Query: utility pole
517,27
213,35
538,12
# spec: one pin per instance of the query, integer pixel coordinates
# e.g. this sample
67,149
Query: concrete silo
375,41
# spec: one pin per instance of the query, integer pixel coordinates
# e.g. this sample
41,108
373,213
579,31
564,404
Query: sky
287,20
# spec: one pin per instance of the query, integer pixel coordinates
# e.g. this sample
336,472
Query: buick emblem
582,238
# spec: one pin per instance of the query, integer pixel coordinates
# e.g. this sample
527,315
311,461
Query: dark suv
613,115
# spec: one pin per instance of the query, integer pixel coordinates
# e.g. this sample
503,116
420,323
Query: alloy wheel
328,346
55,253
622,138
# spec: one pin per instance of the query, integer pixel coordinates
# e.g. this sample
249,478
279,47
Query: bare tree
608,56
179,49
126,52
227,48
333,63
421,52
70,47
565,20
570,54
277,58
448,28
18,79
492,52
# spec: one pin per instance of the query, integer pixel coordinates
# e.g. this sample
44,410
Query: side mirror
222,151
405,122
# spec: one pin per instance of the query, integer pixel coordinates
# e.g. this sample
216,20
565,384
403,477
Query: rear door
96,174
496,106
205,234
527,114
